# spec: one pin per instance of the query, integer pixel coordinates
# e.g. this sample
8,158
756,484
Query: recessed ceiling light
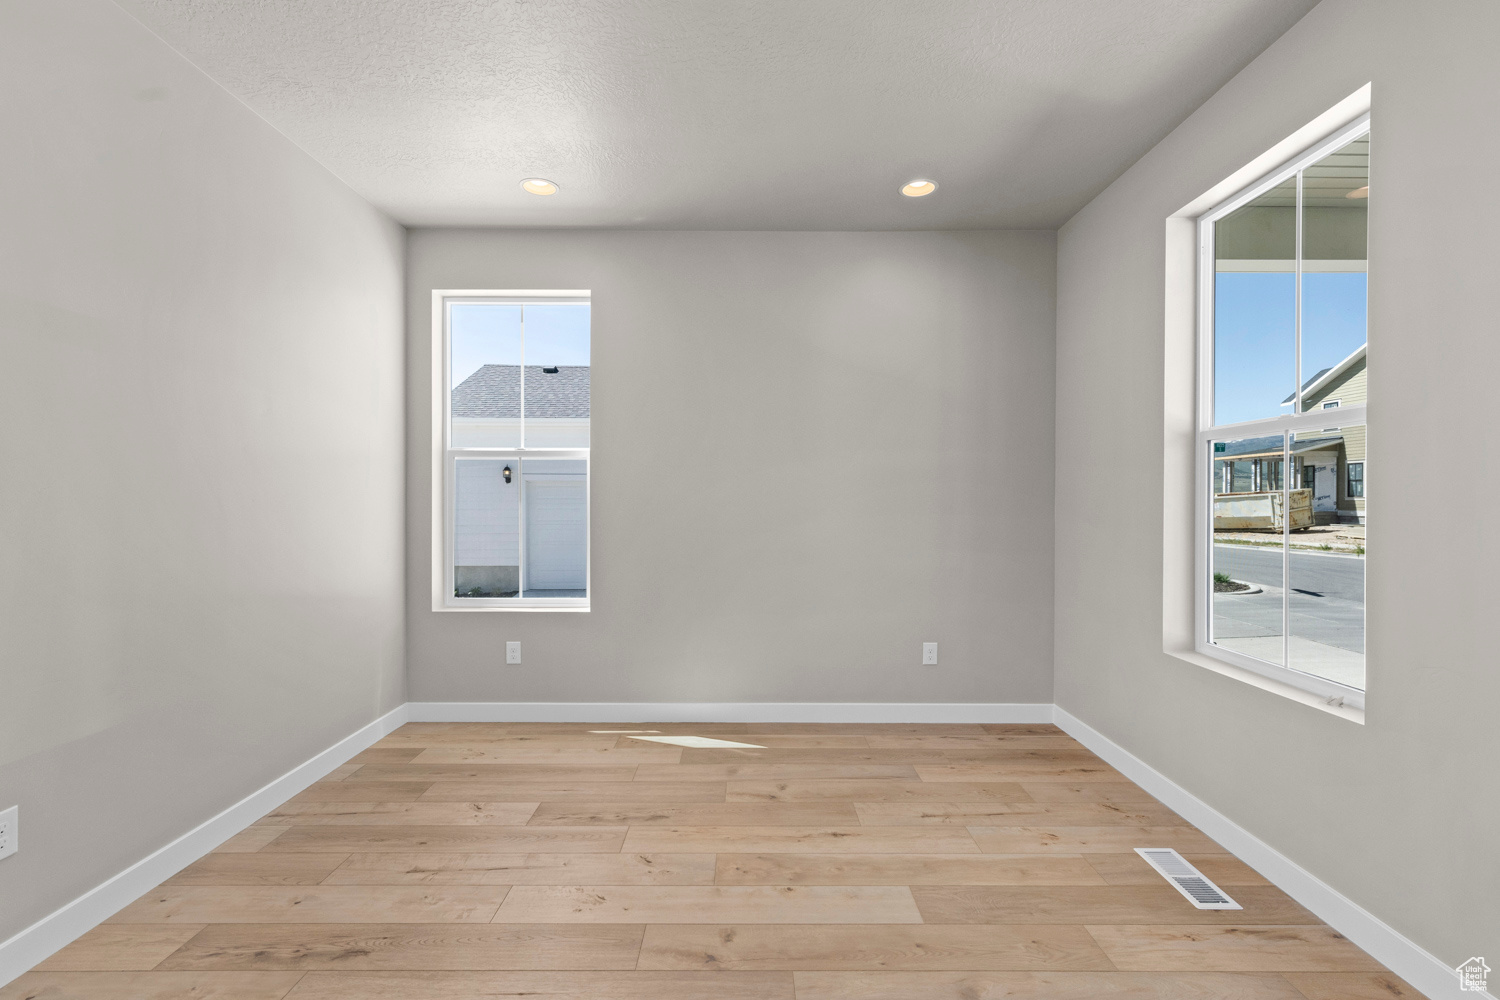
918,188
538,185
1363,192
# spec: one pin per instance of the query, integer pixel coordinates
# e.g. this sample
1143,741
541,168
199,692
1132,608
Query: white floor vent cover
1189,881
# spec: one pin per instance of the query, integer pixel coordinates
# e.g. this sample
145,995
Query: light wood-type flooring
459,861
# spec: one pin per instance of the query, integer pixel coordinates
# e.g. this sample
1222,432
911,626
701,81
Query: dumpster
1262,511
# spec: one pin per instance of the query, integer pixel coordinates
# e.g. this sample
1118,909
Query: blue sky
1255,336
489,333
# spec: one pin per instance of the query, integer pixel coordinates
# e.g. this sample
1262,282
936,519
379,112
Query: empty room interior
976,594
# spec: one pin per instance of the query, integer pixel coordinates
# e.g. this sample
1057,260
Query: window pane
556,527
1246,559
557,375
1335,209
486,528
1255,307
485,358
1326,602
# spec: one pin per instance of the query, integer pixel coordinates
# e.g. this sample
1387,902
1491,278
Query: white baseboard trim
54,931
770,711
1388,946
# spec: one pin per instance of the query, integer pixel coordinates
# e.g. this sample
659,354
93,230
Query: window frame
1349,468
445,460
1285,425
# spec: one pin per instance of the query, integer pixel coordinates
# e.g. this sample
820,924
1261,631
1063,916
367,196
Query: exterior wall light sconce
506,473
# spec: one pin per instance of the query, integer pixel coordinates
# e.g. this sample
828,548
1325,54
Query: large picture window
514,411
1282,352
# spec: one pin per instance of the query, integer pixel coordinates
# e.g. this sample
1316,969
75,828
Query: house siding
1350,390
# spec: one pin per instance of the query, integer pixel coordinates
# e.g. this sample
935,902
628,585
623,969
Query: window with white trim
514,407
1283,286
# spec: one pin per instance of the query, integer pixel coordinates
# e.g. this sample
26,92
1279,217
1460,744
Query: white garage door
556,535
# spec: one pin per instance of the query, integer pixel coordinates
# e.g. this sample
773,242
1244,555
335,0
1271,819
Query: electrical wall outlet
9,836
929,654
512,652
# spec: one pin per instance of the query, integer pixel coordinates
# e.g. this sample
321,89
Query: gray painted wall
812,452
1399,814
200,431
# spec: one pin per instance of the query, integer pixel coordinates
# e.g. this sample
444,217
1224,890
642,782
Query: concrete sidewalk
1348,538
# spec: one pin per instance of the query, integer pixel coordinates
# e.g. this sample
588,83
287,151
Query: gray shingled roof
494,391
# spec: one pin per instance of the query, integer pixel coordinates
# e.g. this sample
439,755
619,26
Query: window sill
1276,687
574,608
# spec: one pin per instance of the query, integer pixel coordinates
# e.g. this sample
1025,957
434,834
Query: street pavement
1326,609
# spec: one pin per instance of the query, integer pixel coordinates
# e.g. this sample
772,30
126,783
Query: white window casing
565,476
1283,426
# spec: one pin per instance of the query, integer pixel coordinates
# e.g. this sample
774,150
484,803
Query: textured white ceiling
717,114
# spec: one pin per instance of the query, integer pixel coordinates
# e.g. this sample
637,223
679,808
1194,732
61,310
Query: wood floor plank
456,839
524,869
621,728
543,986
1111,904
867,729
416,742
424,813
429,773
985,741
768,947
644,753
696,814
357,787
258,869
1238,948
664,792
754,741
369,947
874,790
457,727
904,869
385,752
1131,869
1085,791
341,772
251,839
939,813
726,904
796,839
1021,839
1022,728
121,948
1353,986
151,986
794,741
1040,986
751,771
728,729
824,755
1019,769
264,904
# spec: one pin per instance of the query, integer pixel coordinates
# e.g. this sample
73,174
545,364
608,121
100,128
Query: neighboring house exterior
1328,463
1337,475
490,538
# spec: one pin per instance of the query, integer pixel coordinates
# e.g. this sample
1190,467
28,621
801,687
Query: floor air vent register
1189,881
